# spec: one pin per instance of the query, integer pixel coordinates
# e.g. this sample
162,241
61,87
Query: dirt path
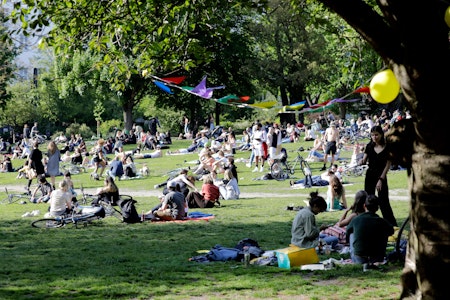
399,195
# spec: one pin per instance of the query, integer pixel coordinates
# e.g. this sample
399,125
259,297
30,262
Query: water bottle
246,257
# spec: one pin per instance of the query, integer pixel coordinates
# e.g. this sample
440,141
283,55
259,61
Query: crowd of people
217,178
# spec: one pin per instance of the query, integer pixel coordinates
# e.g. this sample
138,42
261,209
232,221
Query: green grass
112,260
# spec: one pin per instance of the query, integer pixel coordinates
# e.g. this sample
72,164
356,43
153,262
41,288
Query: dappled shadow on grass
108,259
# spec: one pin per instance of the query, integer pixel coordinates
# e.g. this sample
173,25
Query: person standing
211,123
26,133
153,125
35,163
34,130
376,155
54,157
99,159
186,124
258,139
331,137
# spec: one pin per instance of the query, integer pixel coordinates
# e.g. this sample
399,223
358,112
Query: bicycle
110,210
12,198
402,237
80,215
40,138
353,170
72,168
281,168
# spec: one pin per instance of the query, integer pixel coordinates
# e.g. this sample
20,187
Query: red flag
364,89
174,80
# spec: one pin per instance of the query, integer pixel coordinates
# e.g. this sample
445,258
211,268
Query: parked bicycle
40,138
353,170
80,215
281,168
72,168
402,237
110,210
15,197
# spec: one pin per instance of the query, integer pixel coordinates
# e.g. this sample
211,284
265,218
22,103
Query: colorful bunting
364,89
202,91
162,86
166,83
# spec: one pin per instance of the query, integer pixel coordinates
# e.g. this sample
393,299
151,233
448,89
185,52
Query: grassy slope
150,261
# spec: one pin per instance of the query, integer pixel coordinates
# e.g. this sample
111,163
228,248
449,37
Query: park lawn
113,260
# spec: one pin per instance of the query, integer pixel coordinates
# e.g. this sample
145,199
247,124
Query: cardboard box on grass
294,256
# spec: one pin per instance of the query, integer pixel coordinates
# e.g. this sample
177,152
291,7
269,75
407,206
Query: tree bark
412,38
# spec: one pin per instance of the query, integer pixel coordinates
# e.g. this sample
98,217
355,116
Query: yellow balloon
384,87
447,16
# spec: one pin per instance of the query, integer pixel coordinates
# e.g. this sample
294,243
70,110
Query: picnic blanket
192,216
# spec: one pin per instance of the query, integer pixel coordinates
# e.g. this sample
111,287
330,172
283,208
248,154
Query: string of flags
168,84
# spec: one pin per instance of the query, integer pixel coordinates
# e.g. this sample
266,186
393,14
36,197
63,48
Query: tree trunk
128,115
412,38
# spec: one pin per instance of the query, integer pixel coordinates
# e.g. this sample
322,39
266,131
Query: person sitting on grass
339,229
115,168
109,193
304,231
335,194
45,188
230,188
369,233
61,200
207,198
71,189
172,206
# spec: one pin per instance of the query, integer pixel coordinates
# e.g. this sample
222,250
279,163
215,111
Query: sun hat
332,124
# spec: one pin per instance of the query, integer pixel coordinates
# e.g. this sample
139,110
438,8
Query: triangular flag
174,80
162,86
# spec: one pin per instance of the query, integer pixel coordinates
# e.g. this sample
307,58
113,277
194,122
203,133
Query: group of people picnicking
359,226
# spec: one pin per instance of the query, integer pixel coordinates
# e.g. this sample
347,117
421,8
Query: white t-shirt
58,201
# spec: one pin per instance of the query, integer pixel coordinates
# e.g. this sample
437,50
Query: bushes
82,129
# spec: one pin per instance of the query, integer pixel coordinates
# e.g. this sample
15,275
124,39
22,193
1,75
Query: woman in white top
60,200
229,190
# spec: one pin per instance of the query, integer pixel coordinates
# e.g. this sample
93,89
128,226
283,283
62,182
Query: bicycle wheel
111,211
6,200
402,237
355,171
47,223
278,170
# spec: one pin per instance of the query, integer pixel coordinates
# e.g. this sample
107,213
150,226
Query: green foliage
107,127
82,129
8,53
22,108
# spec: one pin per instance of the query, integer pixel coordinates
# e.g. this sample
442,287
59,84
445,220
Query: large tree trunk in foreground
412,38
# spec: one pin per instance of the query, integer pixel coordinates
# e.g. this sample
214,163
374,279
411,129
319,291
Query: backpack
129,172
129,212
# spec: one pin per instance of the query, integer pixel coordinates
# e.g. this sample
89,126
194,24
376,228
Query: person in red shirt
208,197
